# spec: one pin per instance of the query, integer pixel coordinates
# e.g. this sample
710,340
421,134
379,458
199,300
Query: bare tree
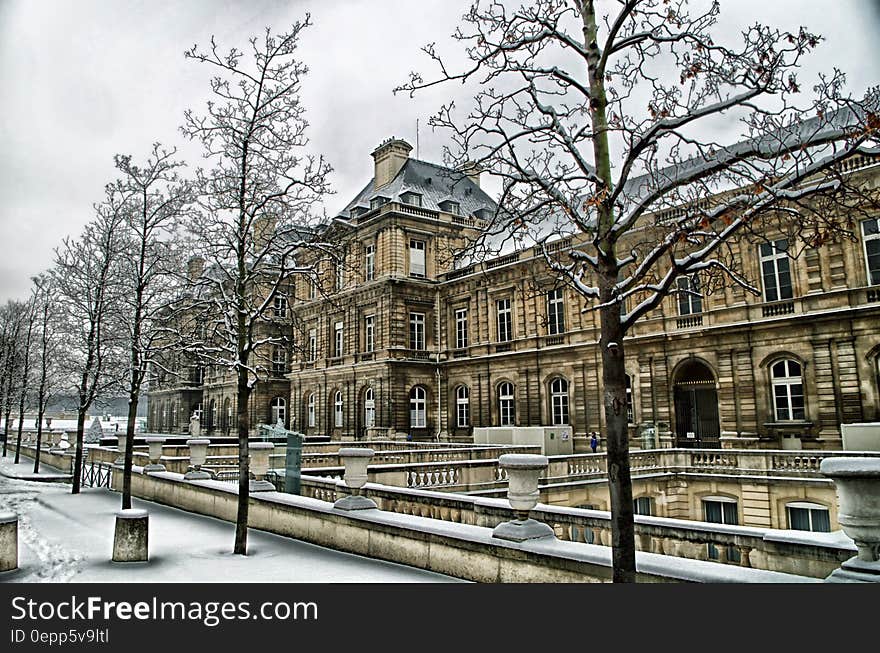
599,117
29,318
154,197
86,278
48,353
11,316
255,205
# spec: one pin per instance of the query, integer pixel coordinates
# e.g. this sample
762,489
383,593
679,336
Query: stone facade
401,342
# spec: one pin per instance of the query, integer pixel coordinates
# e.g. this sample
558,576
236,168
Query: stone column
8,541
130,541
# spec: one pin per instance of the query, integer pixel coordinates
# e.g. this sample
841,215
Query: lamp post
523,471
356,462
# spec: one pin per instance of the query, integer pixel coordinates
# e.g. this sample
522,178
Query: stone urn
155,443
356,462
523,472
198,454
120,447
858,491
258,461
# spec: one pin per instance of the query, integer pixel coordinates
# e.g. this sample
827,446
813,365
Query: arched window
164,421
279,410
227,415
417,408
311,409
369,408
559,400
337,409
213,414
808,517
462,407
788,390
506,407
173,415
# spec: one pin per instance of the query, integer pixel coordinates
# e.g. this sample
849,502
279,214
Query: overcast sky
81,80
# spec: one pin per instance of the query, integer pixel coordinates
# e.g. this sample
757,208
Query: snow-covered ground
67,538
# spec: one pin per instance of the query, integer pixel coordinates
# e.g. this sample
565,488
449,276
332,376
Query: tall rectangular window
461,328
505,320
871,232
313,289
690,302
313,344
369,262
337,340
417,331
340,274
416,258
280,306
369,333
721,511
279,360
776,271
555,312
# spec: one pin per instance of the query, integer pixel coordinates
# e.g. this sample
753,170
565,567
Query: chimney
472,170
263,228
389,158
195,266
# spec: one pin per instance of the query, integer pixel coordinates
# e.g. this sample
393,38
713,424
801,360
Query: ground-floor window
808,517
418,417
369,409
279,410
311,409
506,407
462,407
337,409
721,510
643,506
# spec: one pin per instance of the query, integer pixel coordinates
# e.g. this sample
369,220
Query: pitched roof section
435,183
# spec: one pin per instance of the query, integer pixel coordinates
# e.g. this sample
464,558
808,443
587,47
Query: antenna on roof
417,138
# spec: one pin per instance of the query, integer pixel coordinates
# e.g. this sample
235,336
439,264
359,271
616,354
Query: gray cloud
82,81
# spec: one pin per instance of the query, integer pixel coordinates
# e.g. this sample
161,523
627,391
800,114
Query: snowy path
66,538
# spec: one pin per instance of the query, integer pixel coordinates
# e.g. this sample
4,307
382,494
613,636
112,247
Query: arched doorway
696,406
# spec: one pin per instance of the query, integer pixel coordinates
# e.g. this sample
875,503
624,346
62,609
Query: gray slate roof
435,183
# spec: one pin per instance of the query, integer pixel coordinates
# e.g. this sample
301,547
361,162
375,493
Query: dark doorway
696,407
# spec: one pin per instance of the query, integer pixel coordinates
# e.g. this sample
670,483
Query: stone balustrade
809,554
462,550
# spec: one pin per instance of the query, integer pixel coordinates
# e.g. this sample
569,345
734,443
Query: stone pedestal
198,454
130,539
8,541
259,453
523,471
356,462
155,443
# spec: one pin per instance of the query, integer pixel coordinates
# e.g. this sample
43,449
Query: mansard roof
435,183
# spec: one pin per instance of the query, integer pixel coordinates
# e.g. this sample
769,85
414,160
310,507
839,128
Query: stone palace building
397,341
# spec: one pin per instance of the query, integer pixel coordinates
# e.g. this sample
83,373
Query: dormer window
450,206
378,201
358,211
483,214
413,199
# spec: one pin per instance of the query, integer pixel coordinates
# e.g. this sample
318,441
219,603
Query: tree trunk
241,521
623,551
40,415
129,449
78,457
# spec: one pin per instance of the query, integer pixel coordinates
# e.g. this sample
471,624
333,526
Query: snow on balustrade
809,463
433,477
713,459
